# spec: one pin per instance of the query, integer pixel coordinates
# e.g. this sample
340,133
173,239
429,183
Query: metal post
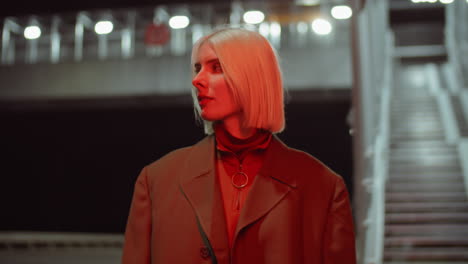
79,31
82,22
8,43
359,201
235,19
128,36
102,47
5,42
55,40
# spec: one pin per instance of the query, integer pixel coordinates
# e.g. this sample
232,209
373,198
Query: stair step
412,169
415,218
415,124
426,154
424,197
410,135
405,130
430,150
415,135
426,207
425,161
431,173
428,254
421,144
435,176
427,230
426,186
417,241
425,178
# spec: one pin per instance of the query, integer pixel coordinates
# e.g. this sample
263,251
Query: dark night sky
20,8
47,7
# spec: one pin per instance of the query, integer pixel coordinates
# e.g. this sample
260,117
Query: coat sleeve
339,244
136,248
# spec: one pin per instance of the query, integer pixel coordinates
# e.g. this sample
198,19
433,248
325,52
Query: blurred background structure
89,94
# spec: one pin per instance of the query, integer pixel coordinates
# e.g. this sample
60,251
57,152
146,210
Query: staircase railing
375,220
456,41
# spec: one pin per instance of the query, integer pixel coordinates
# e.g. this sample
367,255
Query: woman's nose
199,82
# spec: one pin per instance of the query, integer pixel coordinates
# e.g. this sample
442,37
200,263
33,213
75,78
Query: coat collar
201,187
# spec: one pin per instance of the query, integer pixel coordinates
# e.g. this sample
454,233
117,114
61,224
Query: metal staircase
426,206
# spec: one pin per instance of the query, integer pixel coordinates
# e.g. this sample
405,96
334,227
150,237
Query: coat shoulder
311,167
169,161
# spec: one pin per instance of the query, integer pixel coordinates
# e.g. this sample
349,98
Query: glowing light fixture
103,27
341,12
179,22
321,26
446,1
308,2
254,17
32,32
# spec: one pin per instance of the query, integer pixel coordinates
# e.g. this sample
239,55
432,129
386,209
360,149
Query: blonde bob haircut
252,72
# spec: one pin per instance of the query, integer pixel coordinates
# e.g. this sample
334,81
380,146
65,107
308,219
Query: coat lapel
271,185
201,187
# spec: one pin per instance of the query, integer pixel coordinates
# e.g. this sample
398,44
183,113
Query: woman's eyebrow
211,61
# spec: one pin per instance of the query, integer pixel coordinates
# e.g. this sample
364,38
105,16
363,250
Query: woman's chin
208,117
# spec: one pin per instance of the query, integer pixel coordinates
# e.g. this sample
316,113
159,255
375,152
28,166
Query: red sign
157,34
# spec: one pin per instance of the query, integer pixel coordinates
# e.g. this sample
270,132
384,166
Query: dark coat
297,211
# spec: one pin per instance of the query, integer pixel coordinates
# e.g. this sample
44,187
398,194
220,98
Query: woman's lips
202,100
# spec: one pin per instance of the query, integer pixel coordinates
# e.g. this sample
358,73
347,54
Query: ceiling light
254,17
32,32
307,2
178,22
341,12
103,27
321,26
446,1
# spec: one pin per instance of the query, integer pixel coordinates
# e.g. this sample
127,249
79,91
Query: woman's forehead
203,53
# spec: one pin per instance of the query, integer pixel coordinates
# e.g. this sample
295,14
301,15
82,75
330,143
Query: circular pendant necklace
239,179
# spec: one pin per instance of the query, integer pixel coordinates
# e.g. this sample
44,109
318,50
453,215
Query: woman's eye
217,67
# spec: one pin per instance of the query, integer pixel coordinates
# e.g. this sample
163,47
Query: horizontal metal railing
13,240
146,32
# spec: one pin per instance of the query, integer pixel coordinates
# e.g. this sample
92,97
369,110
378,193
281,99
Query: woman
240,195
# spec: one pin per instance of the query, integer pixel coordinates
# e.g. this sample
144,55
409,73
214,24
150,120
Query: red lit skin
213,93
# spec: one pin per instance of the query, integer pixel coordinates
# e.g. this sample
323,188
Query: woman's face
213,94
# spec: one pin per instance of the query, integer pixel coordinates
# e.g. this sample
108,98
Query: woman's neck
235,127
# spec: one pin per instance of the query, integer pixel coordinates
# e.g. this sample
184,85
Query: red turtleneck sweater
236,155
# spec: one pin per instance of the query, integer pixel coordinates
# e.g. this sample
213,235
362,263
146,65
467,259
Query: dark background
71,165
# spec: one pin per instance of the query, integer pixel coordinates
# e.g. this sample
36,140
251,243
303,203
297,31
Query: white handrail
463,154
444,103
376,214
